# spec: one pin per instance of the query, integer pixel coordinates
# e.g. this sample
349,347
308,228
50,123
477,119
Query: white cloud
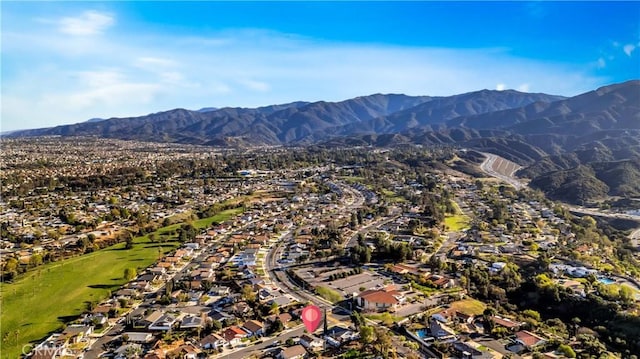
601,63
146,62
523,88
71,79
255,85
89,23
628,49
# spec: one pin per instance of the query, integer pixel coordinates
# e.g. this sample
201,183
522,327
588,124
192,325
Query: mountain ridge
559,140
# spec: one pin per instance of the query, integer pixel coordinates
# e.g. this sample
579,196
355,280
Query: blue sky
66,62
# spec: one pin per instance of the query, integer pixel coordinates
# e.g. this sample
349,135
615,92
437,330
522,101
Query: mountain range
593,137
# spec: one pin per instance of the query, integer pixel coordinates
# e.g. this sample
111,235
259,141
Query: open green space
457,222
41,300
469,306
329,294
385,318
352,179
393,197
221,217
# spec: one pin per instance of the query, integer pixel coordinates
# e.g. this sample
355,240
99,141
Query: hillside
590,141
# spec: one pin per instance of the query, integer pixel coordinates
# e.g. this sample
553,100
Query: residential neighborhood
430,265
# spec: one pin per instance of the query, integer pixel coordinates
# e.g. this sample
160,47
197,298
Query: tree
276,327
357,319
529,313
367,335
626,294
248,293
35,260
567,351
383,341
274,308
290,342
591,344
487,319
216,324
10,268
129,274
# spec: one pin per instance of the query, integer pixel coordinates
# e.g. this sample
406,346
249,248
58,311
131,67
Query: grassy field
41,300
329,294
469,306
392,197
223,216
386,318
457,221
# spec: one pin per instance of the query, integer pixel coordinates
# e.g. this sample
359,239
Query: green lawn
329,294
386,318
41,300
220,217
457,222
469,306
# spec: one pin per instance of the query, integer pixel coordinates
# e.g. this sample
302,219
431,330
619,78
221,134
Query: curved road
496,166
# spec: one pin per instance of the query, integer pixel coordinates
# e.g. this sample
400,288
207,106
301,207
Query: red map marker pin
311,317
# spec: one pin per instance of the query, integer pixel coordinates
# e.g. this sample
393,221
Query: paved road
96,350
498,167
261,348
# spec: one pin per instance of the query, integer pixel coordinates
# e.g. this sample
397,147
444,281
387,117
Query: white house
165,322
311,343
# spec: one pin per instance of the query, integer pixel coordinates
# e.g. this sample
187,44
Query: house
95,319
138,337
165,322
191,322
284,318
465,351
379,299
440,331
442,282
220,316
241,309
311,343
528,339
233,335
157,354
212,341
188,351
125,350
254,328
219,290
293,352
337,336
281,301
506,323
76,333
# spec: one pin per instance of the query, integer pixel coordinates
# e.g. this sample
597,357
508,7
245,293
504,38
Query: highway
502,169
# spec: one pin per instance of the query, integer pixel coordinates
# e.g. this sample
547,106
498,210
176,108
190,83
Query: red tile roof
380,296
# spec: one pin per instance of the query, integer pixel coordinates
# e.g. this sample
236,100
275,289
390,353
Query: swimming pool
605,280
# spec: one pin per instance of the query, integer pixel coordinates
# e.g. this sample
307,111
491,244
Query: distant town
124,249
